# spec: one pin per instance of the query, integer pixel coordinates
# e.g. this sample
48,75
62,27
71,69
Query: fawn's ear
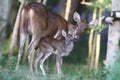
64,33
76,17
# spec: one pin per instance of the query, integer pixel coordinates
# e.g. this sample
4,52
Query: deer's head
69,37
81,25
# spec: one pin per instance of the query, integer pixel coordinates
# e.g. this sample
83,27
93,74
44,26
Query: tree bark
113,38
5,6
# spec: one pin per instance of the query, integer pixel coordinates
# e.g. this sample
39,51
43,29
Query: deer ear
93,23
63,33
76,17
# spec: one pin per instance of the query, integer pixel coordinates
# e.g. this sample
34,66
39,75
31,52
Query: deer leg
31,48
36,31
22,42
42,62
59,64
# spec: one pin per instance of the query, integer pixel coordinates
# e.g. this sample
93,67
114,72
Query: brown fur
60,48
39,22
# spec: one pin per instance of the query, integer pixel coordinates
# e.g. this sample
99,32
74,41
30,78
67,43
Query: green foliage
3,61
98,28
104,4
6,46
71,72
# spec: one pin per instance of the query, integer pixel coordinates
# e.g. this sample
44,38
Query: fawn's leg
59,64
37,60
42,62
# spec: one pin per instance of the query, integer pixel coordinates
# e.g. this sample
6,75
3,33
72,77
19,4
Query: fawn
60,48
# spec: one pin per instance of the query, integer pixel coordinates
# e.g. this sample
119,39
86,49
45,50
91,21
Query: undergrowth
71,72
24,74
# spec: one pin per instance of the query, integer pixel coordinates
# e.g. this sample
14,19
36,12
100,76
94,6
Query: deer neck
68,47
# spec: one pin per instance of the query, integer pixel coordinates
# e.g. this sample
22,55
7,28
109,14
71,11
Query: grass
71,72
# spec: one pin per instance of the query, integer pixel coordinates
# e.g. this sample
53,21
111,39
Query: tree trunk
62,6
5,6
113,37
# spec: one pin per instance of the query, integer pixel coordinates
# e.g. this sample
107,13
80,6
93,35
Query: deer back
35,18
33,13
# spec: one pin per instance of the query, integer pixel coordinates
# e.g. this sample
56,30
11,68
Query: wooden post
97,51
92,63
86,3
100,14
67,12
94,44
94,13
90,46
